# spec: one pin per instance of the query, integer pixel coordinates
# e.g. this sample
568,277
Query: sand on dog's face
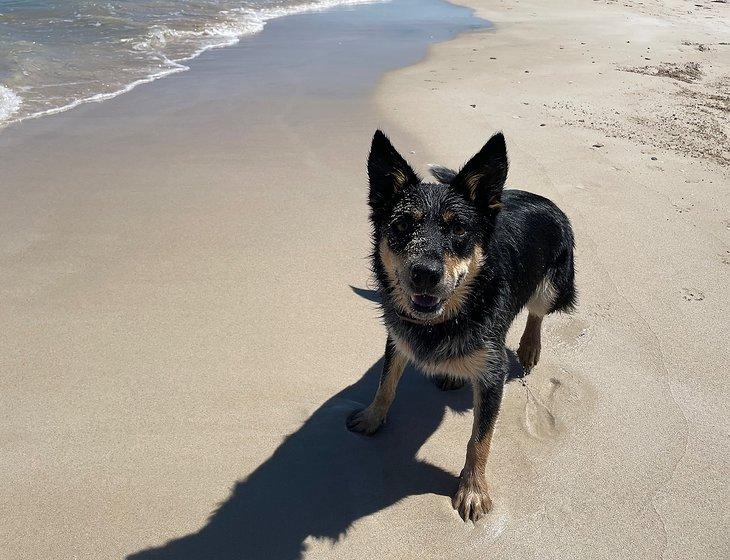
432,222
458,272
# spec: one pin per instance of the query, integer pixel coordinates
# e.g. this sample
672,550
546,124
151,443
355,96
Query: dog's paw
529,353
365,421
472,500
448,383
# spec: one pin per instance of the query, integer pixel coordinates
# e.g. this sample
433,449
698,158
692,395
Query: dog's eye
458,230
403,224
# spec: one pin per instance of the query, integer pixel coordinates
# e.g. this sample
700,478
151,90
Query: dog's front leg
472,498
368,420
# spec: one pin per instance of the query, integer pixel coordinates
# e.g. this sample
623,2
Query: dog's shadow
323,478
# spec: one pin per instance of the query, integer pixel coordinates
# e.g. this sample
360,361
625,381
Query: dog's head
430,237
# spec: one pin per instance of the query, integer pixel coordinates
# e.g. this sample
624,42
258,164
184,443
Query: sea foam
10,102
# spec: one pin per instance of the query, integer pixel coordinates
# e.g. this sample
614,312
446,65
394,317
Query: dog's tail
442,174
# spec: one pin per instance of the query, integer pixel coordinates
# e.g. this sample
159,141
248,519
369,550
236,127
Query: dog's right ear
388,172
482,178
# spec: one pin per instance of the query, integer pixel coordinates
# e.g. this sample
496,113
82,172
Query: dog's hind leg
530,343
538,306
368,420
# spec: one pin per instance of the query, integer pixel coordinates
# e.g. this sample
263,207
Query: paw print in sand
692,295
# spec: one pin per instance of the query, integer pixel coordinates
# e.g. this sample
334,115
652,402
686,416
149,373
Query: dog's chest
448,356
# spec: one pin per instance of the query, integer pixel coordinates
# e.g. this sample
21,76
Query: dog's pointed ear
388,172
482,178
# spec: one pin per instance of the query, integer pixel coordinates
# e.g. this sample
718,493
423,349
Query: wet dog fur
455,261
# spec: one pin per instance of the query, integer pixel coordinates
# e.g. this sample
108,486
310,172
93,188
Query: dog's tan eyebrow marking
448,216
417,215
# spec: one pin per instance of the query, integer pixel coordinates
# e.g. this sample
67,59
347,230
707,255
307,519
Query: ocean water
56,54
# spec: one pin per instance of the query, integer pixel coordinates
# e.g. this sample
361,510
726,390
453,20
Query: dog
455,261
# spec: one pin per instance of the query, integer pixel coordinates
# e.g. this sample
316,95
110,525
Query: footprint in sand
554,403
540,421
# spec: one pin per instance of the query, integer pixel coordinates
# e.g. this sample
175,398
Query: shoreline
228,38
181,64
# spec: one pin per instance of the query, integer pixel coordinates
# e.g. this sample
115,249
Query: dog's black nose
425,275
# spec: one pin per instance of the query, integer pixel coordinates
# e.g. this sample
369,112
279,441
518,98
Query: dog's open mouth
424,303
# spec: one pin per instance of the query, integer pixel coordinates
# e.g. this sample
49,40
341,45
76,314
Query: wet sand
188,320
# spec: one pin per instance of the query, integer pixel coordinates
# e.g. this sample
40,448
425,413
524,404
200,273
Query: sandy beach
188,316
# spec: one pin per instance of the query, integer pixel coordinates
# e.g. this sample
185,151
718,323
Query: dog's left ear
388,172
482,178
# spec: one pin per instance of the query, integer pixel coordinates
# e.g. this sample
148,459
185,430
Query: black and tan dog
455,262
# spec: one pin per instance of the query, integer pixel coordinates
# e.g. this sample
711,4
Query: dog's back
533,241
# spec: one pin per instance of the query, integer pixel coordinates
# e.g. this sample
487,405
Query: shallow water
56,54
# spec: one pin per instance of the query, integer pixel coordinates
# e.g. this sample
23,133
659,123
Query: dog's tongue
425,300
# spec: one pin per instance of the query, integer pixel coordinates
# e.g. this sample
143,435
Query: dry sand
181,344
